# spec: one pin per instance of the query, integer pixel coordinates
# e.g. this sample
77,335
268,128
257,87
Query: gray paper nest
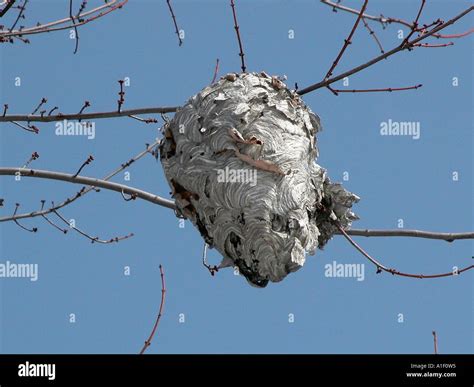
240,159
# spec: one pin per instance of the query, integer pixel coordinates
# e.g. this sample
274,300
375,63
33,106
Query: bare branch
86,105
145,120
42,102
89,160
87,116
446,236
63,230
20,14
92,239
373,34
216,70
76,32
430,45
64,24
29,128
384,21
180,41
160,313
121,94
347,41
212,269
83,191
237,31
388,89
94,182
435,342
381,267
401,47
103,183
34,229
34,156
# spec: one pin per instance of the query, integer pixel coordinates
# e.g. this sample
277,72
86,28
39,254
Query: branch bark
155,199
446,236
87,116
121,188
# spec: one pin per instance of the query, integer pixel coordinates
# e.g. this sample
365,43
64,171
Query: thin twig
237,31
346,41
180,41
76,32
63,230
42,102
20,14
216,70
30,128
160,313
145,120
414,27
92,239
431,45
435,342
388,89
373,34
455,36
81,8
52,110
34,156
212,269
34,229
121,94
89,160
86,105
127,199
381,267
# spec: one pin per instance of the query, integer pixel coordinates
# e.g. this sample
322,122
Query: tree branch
120,188
175,23
87,116
401,47
239,40
160,313
381,268
446,236
83,191
347,41
50,27
155,199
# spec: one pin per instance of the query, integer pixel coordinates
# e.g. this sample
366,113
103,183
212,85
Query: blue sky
396,177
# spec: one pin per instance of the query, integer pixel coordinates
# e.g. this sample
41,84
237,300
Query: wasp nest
240,159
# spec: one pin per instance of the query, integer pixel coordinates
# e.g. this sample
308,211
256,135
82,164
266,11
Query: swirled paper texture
240,157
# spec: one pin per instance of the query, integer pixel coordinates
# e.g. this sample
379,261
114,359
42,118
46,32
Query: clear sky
397,177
